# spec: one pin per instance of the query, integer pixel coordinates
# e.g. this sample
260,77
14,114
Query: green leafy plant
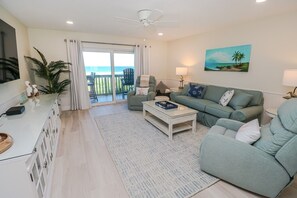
237,57
51,73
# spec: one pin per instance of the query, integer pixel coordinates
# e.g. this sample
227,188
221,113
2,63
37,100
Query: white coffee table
172,120
271,112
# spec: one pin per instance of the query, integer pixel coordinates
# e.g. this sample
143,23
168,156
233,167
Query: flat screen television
9,66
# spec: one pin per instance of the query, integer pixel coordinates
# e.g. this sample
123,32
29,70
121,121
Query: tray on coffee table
166,105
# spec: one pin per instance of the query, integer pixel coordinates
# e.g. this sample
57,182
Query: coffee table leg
170,131
194,126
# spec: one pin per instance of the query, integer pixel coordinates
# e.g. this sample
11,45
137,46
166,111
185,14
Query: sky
103,59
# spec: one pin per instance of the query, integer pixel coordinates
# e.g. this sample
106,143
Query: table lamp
290,79
181,71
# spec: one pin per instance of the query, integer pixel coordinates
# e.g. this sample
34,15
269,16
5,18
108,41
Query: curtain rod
109,43
105,43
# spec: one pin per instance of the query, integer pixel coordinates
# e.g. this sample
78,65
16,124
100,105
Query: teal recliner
267,166
135,101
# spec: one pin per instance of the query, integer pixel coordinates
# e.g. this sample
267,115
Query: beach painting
235,59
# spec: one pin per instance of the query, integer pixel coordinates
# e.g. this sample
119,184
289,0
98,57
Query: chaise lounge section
265,167
244,106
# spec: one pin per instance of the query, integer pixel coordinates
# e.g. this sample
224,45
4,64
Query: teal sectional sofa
244,106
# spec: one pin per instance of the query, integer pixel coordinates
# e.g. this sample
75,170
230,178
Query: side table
175,89
162,98
271,112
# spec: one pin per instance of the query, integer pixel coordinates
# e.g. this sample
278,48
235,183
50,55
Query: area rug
149,164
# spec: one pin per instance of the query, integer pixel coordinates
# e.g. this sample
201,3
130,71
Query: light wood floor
84,168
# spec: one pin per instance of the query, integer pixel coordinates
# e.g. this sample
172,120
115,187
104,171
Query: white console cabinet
26,168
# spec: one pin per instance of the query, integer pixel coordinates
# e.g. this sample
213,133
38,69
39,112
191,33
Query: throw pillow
162,87
240,100
196,90
226,97
141,91
249,132
167,91
185,90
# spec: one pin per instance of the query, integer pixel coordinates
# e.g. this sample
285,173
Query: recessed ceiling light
160,34
260,1
69,22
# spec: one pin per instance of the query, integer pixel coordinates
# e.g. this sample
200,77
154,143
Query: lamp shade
290,77
181,71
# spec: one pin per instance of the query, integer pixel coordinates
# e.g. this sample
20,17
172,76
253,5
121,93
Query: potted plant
51,73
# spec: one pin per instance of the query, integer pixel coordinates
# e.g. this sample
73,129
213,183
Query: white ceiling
98,16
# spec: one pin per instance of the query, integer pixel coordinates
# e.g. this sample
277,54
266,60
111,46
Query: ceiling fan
147,18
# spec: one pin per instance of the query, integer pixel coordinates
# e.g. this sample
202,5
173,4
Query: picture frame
232,59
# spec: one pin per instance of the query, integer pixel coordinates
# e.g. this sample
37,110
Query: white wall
274,48
14,88
273,40
51,44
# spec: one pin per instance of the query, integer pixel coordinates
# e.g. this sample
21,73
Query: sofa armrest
229,124
151,95
287,156
131,93
174,94
242,165
247,114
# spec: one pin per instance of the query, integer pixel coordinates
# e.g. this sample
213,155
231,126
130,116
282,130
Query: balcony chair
127,81
135,101
91,85
265,167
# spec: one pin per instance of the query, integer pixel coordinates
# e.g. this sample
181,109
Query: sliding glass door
110,74
124,74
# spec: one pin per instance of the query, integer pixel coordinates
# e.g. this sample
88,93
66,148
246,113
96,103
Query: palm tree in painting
235,57
240,57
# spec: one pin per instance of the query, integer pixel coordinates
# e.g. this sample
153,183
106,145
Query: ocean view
213,66
105,70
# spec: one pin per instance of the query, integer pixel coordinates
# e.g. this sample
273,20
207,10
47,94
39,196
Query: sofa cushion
185,89
214,93
198,104
287,113
196,90
137,100
223,131
273,137
257,98
218,110
240,100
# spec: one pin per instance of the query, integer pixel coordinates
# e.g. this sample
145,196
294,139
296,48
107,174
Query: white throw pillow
141,91
249,132
167,90
226,97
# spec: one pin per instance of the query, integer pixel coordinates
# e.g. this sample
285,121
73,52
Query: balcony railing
103,84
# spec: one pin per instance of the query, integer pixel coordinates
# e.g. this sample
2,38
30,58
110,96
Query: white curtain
142,60
79,95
